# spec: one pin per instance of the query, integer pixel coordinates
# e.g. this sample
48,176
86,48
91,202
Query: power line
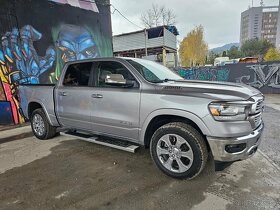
115,9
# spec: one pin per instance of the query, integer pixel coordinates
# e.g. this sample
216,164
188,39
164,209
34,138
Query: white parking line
269,160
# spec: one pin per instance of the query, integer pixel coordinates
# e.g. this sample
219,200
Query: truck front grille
257,120
255,117
259,106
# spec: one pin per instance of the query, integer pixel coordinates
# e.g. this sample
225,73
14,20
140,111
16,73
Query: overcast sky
220,18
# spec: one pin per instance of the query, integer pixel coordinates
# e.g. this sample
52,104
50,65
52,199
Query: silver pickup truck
127,102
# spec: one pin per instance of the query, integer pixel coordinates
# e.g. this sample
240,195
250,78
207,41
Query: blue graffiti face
76,43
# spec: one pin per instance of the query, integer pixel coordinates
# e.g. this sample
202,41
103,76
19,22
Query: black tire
48,131
194,140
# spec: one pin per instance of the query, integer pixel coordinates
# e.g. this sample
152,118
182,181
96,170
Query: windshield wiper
163,80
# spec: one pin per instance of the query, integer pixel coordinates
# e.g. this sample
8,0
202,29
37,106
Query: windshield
152,71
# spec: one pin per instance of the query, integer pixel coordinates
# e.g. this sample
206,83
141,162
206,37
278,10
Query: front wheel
179,150
40,125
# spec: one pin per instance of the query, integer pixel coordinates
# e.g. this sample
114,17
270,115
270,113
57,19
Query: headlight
229,111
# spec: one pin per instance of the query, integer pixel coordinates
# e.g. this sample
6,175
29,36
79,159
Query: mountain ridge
224,47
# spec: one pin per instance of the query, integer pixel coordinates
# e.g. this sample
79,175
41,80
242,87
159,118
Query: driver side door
115,109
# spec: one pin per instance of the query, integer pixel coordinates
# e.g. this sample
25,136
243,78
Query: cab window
112,67
78,74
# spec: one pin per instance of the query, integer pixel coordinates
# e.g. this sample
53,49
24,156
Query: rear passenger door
115,109
73,96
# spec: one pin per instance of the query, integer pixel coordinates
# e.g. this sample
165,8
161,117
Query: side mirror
118,80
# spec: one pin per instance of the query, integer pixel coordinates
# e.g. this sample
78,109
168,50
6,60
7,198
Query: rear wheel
179,150
40,125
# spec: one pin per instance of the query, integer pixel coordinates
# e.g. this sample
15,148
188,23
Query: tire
40,125
179,150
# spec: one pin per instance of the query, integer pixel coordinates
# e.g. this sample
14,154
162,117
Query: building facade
260,22
157,44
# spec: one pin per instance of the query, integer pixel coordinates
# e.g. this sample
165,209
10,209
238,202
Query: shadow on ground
82,175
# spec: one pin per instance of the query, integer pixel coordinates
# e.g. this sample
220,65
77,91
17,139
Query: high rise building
260,22
278,31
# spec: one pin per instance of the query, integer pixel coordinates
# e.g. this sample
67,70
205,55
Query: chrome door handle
63,94
97,96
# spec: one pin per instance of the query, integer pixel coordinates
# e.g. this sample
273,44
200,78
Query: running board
114,143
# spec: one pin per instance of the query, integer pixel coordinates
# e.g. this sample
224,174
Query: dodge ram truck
128,102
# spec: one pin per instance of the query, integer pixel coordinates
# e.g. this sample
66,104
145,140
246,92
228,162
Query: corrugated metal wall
170,39
129,42
136,40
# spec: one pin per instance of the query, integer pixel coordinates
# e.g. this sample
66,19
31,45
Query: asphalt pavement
270,145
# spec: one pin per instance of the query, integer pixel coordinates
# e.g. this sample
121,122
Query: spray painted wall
38,37
263,76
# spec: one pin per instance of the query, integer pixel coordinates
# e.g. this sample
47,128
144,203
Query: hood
208,89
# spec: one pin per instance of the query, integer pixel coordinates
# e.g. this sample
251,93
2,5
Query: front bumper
218,146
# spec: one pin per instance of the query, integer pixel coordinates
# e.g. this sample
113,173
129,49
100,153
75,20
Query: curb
15,133
10,127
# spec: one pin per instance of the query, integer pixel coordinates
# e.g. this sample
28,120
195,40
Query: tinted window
111,67
78,74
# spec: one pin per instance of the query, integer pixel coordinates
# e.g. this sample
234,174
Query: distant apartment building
260,22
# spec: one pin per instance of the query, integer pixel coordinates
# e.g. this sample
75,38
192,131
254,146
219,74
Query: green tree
211,57
193,49
272,55
234,53
224,54
255,48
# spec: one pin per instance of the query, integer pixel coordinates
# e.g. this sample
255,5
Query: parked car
137,102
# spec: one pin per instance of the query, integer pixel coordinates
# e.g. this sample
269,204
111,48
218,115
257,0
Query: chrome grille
257,120
255,116
259,106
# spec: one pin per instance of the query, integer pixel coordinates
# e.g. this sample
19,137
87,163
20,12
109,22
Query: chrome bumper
218,146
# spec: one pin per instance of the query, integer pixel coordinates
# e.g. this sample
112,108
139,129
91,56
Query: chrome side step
114,143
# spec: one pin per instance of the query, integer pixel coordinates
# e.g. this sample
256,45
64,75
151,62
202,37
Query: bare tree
158,15
170,17
147,19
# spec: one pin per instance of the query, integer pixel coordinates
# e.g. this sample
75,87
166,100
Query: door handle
97,96
63,93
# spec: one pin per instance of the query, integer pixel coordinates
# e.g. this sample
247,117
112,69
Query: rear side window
78,74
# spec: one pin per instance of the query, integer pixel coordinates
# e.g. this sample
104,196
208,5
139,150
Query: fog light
252,150
233,148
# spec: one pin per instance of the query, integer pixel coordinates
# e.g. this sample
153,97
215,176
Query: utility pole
145,34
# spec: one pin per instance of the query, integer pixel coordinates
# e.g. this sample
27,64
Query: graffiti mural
263,76
88,5
20,64
73,43
260,78
35,47
205,73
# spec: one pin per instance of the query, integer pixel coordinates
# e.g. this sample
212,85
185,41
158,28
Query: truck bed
42,94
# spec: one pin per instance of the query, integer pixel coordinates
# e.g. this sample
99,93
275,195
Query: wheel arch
32,106
161,117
